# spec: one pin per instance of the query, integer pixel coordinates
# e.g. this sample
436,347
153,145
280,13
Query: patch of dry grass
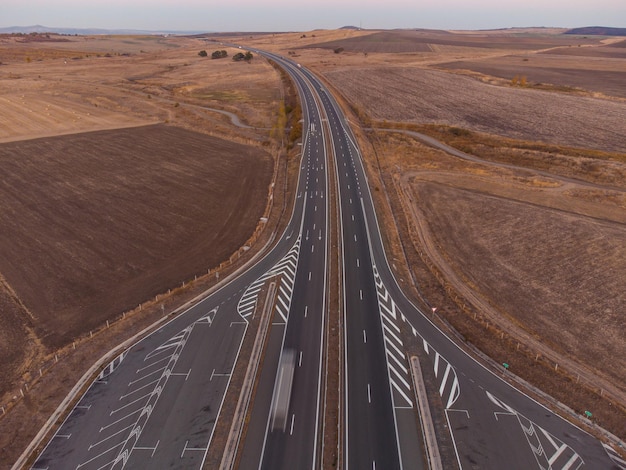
94,83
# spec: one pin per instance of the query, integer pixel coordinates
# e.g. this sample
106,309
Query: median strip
428,427
237,426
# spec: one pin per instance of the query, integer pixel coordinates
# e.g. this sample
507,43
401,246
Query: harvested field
403,41
561,275
95,83
613,51
427,96
95,223
605,76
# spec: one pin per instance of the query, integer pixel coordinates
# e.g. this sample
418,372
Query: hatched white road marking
449,387
550,452
286,268
615,457
398,371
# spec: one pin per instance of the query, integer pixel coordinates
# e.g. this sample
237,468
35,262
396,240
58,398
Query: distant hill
597,31
85,31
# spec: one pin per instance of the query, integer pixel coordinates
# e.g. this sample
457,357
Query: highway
492,424
156,405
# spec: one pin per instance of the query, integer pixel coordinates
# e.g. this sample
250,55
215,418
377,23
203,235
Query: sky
306,15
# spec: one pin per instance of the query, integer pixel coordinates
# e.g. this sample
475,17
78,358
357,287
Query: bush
203,53
219,55
238,56
338,50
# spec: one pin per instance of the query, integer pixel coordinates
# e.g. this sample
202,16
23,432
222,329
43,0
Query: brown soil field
96,223
402,41
605,76
417,95
560,274
612,51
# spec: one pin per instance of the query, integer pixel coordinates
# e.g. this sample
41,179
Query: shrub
219,55
203,53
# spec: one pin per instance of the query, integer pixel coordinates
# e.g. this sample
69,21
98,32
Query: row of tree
221,54
241,56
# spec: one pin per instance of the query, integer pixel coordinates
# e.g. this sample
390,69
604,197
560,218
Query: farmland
131,212
117,178
120,181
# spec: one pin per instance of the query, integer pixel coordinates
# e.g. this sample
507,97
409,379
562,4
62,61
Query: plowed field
95,223
428,96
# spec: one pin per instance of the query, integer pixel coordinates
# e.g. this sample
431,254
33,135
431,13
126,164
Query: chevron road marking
286,268
399,375
549,451
615,457
449,388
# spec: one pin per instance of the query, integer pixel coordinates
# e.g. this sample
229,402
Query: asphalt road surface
157,404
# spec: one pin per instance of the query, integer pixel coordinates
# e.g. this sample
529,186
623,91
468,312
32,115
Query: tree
219,54
203,53
248,56
238,56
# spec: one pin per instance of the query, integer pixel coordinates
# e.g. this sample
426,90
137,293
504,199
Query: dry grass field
95,83
568,289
